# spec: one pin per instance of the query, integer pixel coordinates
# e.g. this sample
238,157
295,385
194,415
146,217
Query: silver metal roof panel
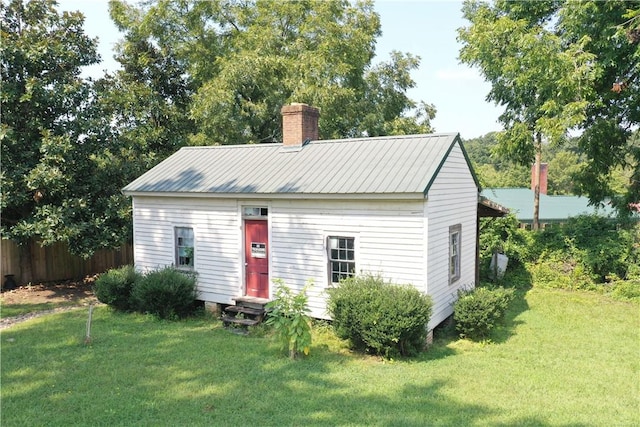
380,165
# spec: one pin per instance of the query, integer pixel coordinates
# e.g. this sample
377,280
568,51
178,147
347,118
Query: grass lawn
563,358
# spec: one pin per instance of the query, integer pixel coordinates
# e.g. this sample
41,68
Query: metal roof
552,208
381,165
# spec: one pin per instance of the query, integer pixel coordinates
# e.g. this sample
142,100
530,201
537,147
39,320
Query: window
255,212
342,259
455,232
184,248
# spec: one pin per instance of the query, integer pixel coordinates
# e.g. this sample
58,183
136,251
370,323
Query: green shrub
166,293
502,235
599,246
478,311
114,287
626,290
383,318
288,316
555,272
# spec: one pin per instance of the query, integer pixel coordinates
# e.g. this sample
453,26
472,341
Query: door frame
262,216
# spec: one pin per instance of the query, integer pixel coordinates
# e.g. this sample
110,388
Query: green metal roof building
553,209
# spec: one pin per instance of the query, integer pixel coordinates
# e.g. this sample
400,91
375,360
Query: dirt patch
60,296
58,293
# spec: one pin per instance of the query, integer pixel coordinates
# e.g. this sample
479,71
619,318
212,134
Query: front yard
564,358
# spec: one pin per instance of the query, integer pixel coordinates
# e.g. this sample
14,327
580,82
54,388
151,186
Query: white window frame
331,260
455,252
254,212
177,246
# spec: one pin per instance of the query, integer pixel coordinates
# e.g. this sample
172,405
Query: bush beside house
380,317
166,293
114,287
478,311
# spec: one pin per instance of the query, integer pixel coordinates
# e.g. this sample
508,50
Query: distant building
553,209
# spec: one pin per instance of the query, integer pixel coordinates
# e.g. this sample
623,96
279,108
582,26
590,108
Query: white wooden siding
388,238
452,199
217,233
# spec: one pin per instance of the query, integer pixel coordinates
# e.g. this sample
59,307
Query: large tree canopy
558,66
52,188
245,60
193,72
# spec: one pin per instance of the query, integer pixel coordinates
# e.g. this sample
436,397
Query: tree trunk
26,270
536,182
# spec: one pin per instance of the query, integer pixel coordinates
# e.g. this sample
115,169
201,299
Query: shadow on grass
141,371
520,280
22,309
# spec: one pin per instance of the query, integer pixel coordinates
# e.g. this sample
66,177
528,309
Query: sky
426,28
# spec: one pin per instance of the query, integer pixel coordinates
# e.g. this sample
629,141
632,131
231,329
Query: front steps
248,311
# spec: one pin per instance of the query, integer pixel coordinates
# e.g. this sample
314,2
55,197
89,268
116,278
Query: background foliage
587,252
54,185
242,61
562,65
192,72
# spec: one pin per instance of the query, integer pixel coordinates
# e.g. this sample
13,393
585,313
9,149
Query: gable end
455,141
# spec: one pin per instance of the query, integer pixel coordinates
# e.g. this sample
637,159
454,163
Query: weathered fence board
54,262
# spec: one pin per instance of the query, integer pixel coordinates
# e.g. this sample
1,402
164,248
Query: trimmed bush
166,293
114,287
380,317
478,311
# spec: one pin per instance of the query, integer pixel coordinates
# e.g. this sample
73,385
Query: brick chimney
299,123
544,172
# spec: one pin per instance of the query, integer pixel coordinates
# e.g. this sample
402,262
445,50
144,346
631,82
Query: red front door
256,255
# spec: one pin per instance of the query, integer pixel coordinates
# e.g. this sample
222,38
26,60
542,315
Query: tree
245,60
493,170
559,65
144,106
540,81
44,105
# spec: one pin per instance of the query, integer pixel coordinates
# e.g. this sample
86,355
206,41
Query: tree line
559,66
565,162
218,72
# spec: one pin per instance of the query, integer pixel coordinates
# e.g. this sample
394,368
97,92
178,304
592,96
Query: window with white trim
184,250
455,234
342,258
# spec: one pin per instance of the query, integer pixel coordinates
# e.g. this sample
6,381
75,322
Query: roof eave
281,196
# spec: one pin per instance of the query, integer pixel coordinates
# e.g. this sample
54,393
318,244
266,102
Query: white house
404,207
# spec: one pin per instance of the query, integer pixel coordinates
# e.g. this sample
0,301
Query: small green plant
288,315
628,290
166,293
115,286
381,317
477,311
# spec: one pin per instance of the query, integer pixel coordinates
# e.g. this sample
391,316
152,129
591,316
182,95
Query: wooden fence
55,263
